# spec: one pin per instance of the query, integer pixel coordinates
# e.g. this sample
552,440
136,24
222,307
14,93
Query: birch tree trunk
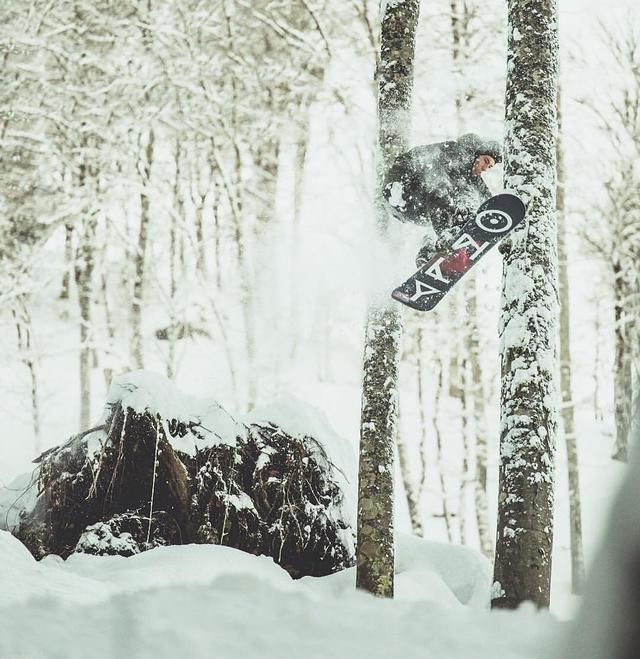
529,313
568,420
375,553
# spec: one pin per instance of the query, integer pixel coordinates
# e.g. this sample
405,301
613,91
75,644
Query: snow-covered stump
165,469
107,480
286,473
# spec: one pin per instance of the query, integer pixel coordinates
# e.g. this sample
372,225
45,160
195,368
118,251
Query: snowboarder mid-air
440,186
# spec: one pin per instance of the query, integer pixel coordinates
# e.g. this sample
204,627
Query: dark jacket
433,184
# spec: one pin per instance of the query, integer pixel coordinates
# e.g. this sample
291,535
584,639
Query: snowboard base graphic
496,218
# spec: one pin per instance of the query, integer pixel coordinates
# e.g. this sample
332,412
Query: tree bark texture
568,416
375,553
68,259
529,313
623,370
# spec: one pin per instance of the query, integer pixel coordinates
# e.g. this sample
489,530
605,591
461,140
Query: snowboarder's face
482,164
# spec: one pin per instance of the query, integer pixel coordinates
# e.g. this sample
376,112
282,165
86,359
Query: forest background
188,190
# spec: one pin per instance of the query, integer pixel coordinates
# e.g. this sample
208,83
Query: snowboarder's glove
505,246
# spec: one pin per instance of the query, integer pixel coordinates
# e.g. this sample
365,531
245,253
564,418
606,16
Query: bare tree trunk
479,417
598,413
68,260
456,46
217,227
466,412
200,187
412,495
568,421
472,393
422,402
413,483
26,351
104,289
137,349
446,514
375,553
299,172
529,313
623,371
84,267
242,229
173,272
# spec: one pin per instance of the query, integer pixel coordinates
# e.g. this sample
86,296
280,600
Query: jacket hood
476,146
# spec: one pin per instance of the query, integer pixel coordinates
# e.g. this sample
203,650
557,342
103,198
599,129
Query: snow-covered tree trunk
375,553
568,416
529,312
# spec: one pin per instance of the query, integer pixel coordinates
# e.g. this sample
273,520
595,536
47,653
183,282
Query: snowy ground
210,601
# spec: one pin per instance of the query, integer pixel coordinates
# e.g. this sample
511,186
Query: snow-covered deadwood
165,469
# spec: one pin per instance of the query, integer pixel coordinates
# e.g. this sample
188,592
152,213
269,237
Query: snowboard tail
496,218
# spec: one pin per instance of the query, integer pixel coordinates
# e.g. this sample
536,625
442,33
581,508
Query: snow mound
203,601
451,576
466,574
144,391
300,419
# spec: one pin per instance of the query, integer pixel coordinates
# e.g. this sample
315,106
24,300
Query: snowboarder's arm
484,188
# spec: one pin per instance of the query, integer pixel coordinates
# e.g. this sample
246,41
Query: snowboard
497,217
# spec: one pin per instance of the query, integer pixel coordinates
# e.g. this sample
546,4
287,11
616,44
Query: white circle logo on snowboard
494,221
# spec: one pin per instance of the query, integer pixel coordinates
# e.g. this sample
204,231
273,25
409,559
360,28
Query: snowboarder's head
483,154
482,163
